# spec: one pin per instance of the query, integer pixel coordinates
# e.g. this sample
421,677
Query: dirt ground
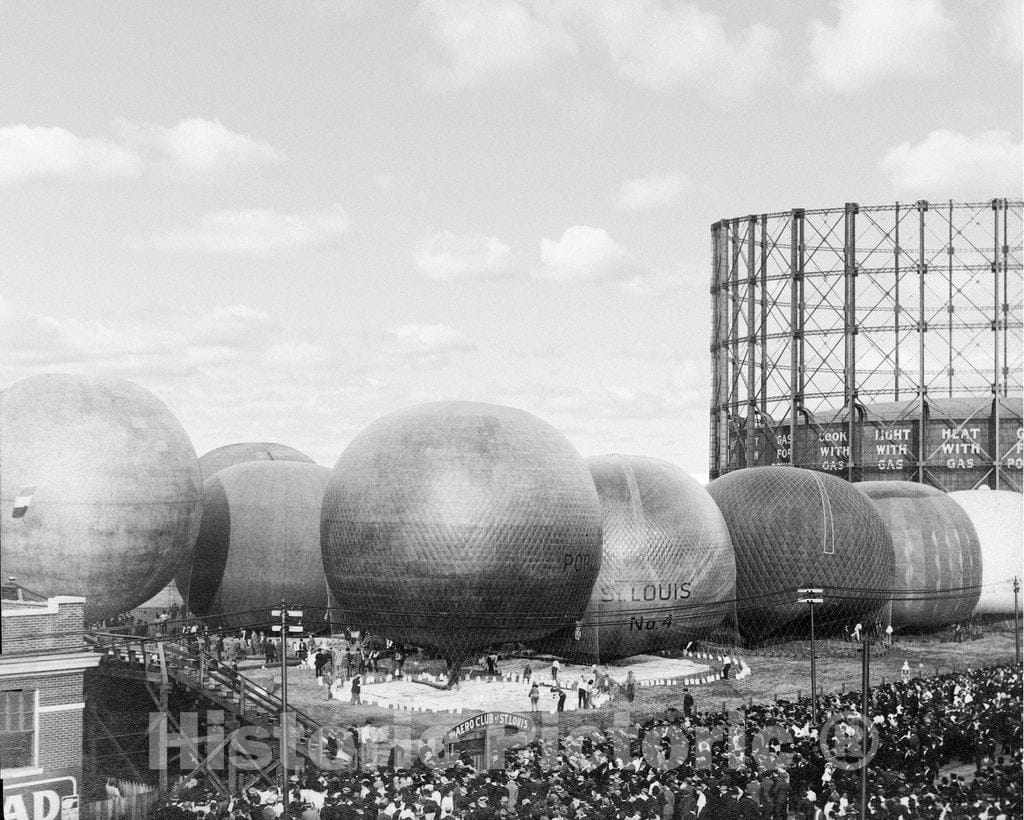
780,672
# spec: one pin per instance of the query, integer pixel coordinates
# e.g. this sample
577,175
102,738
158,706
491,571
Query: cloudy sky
289,218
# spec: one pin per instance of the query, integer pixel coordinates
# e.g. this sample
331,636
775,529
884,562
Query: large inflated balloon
668,574
99,490
998,518
938,558
457,525
794,529
231,454
228,456
259,543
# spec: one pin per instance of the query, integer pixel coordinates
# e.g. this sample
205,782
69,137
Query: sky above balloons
289,218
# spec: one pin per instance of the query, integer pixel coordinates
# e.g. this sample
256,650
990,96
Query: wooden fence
131,807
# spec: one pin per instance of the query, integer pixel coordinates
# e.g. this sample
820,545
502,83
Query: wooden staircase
162,664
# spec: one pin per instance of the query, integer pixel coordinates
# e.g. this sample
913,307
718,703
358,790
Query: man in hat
583,691
320,659
482,810
727,803
703,808
512,787
686,802
328,678
780,795
807,808
750,801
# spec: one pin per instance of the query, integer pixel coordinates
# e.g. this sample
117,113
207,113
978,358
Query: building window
17,727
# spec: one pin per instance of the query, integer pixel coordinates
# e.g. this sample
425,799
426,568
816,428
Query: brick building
42,667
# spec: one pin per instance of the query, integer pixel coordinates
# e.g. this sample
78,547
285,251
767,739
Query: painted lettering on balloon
660,592
649,593
639,623
575,562
646,593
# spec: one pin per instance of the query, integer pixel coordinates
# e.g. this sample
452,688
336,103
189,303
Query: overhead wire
843,592
619,616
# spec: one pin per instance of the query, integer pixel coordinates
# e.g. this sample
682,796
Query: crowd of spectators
727,771
125,624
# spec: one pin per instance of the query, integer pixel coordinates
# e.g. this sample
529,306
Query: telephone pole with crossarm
812,596
284,628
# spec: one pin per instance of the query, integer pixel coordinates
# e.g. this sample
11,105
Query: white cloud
176,344
586,254
228,326
1008,30
478,39
653,43
296,355
446,256
428,340
686,281
654,191
192,148
661,45
399,188
876,40
653,283
197,147
950,164
256,232
28,153
231,372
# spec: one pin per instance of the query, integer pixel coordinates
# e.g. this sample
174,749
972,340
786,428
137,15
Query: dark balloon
938,557
228,456
100,490
668,575
259,543
458,525
792,529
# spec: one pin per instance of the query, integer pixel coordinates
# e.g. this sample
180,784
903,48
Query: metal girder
821,315
193,749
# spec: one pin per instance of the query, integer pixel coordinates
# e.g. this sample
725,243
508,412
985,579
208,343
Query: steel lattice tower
872,342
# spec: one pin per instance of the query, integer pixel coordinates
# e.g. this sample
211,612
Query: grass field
780,672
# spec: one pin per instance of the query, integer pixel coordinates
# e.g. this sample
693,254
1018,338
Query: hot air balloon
99,491
457,525
259,543
668,574
938,558
793,529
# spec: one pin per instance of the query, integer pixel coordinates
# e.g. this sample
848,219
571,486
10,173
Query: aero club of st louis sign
487,720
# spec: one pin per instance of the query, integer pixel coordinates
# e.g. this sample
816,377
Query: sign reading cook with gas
37,799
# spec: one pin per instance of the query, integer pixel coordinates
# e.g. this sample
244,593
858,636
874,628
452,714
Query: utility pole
1016,621
811,597
865,689
284,628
